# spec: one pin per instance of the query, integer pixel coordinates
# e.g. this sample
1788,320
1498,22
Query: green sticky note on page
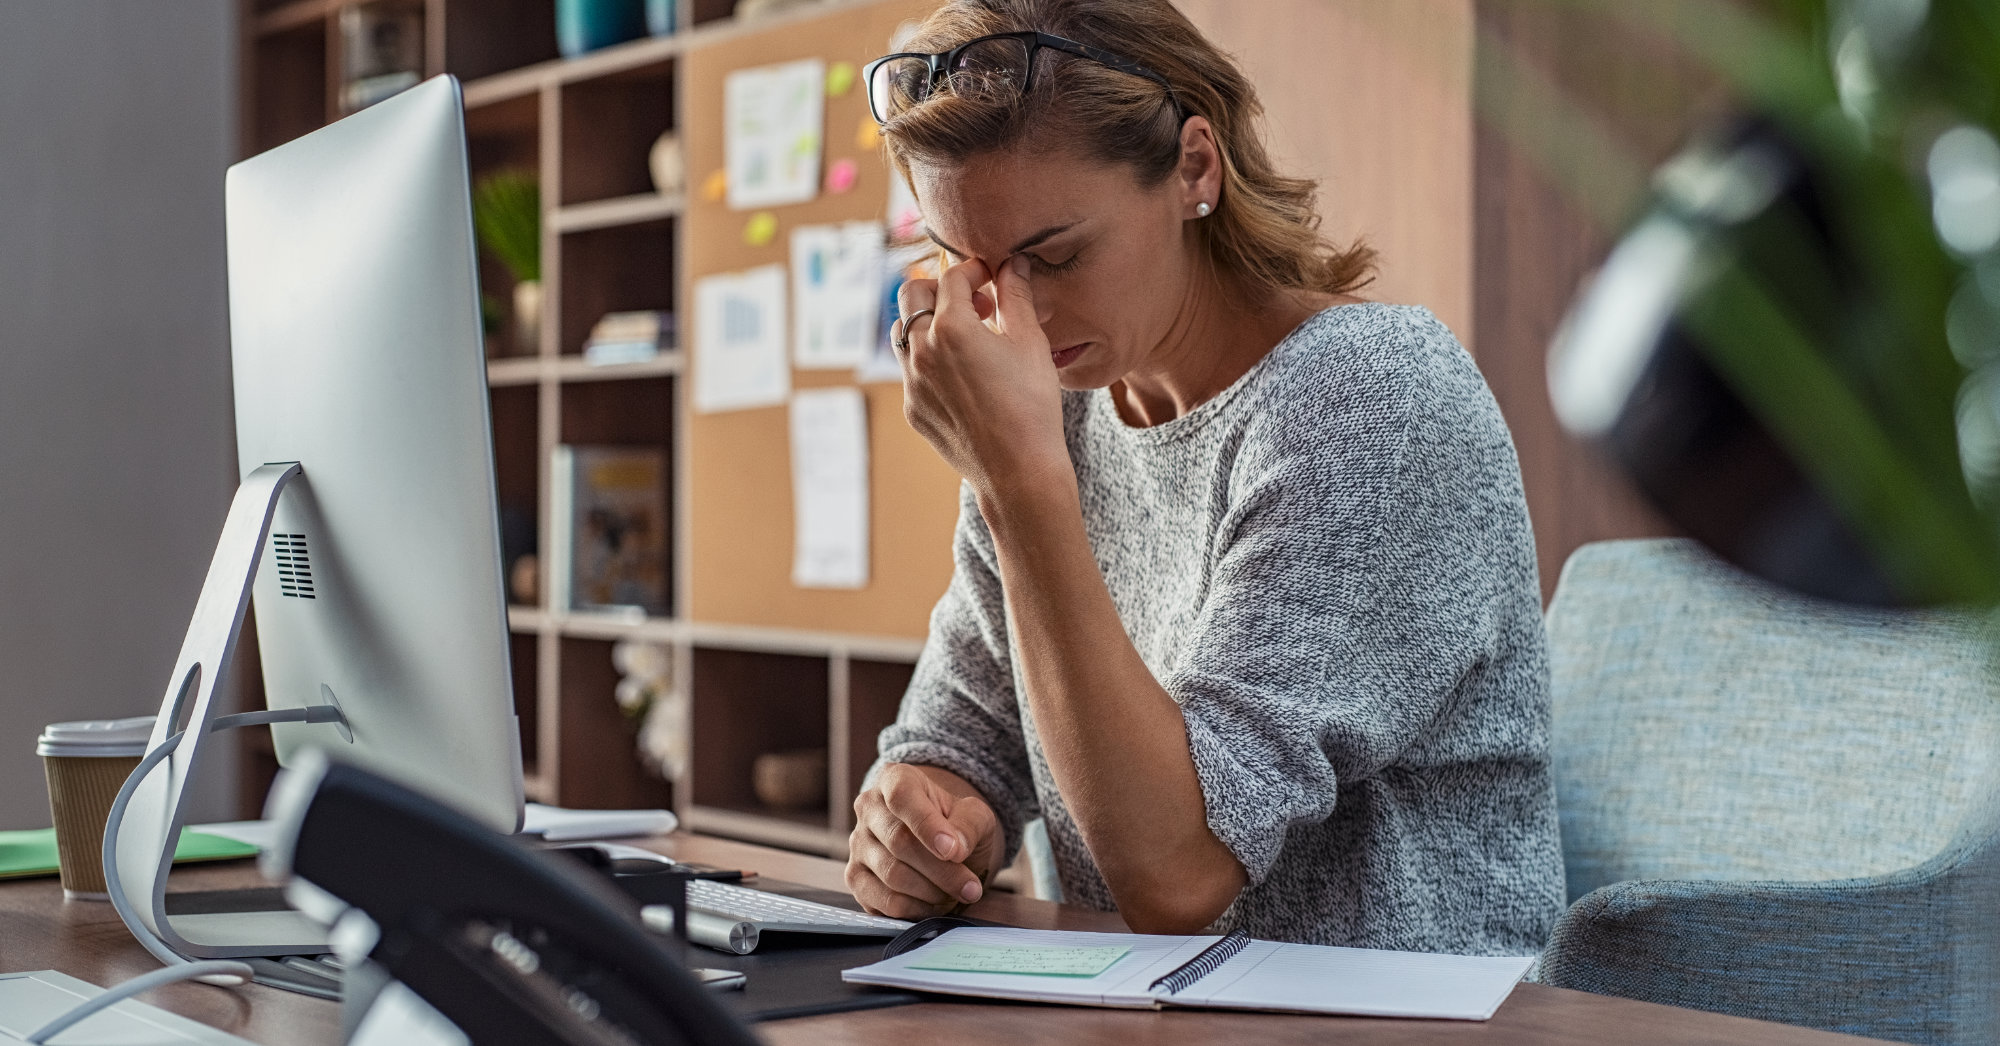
1025,959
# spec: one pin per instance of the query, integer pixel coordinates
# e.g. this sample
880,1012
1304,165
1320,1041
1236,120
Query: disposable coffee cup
87,762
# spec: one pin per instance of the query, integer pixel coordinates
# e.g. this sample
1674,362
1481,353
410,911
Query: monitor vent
295,576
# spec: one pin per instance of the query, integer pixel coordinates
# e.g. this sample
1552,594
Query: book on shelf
629,337
608,546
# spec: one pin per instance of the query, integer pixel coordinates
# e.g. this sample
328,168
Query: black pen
719,875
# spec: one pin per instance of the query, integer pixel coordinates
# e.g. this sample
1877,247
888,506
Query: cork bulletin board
739,480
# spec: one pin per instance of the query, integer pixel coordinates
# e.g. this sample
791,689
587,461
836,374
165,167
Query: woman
1245,602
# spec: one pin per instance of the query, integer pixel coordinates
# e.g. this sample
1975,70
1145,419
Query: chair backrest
1709,726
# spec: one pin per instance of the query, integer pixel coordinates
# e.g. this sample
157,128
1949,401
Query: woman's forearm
1115,740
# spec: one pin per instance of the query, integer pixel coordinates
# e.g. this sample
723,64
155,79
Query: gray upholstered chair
1771,806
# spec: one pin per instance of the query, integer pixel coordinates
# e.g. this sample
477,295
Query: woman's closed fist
924,842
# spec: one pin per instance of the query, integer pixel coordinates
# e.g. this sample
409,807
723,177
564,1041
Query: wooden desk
38,930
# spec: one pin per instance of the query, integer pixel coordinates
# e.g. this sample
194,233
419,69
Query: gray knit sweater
1329,567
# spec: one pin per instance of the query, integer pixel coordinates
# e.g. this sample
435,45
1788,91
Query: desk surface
39,930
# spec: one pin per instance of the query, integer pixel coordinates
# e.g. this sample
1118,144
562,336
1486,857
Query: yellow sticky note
715,186
760,229
867,136
839,79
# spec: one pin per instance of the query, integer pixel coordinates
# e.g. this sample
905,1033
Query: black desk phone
511,944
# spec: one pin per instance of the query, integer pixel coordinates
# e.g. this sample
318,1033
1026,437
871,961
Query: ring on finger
909,321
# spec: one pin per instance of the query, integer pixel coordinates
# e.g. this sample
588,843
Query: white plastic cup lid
101,738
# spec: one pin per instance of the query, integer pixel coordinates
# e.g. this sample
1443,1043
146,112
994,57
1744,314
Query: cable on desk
182,971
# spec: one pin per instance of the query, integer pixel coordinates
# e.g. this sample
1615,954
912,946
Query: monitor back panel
354,314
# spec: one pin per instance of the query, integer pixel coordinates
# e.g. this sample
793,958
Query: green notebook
33,851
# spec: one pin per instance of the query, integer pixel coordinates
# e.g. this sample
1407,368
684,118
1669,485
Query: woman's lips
1063,357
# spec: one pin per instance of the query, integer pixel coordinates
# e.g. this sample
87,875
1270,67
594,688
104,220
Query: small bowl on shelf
794,780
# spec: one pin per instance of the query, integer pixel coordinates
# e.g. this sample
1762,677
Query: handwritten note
1022,959
830,488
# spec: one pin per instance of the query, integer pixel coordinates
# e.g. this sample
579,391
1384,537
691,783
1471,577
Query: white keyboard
731,918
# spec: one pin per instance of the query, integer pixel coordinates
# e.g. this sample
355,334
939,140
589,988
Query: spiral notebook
1234,973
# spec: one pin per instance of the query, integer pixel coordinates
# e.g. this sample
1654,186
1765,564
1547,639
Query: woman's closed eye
1057,268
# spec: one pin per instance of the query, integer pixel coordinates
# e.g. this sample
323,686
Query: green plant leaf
507,212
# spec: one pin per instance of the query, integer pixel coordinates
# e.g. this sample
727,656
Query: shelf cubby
597,756
522,655
634,412
290,69
609,124
619,268
874,693
753,703
702,12
272,17
517,472
493,36
503,136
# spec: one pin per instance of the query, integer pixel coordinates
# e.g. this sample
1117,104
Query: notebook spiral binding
1204,964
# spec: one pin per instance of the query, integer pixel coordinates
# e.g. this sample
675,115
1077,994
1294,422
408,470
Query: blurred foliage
507,212
492,314
1857,312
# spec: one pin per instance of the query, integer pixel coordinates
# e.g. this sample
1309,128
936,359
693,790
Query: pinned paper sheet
739,321
773,120
836,291
830,488
909,261
1022,959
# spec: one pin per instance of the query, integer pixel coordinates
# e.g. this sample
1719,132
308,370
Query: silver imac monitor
357,352
367,525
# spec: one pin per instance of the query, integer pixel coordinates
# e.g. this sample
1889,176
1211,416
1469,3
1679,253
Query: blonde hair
1264,229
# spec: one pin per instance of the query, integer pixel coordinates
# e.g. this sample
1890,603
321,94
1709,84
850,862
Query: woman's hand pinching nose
985,396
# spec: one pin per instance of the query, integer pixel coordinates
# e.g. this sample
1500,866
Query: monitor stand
147,835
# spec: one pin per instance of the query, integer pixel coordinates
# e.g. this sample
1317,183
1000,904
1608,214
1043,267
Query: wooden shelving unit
610,242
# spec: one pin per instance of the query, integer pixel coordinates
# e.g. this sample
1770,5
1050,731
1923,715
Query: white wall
117,119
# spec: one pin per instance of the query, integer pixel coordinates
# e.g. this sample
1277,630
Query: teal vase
586,25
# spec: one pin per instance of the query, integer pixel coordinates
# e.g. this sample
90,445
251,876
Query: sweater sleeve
1348,601
960,712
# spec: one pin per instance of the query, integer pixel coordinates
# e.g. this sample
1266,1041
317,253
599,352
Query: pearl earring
1201,209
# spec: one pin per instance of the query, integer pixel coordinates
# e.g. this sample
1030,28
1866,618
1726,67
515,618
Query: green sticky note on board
839,79
1022,959
33,852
